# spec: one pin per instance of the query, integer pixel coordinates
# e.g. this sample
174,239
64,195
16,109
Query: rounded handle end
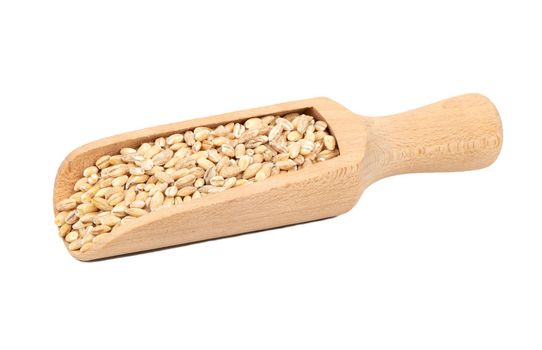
457,134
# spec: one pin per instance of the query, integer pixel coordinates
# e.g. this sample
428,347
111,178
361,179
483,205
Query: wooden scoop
461,133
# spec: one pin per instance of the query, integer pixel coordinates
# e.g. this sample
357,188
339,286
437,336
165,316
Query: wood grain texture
461,133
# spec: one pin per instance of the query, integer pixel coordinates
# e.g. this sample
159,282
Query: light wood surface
461,133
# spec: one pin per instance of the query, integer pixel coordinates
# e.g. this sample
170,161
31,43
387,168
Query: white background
424,261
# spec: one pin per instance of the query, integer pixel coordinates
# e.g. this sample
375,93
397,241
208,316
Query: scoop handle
457,134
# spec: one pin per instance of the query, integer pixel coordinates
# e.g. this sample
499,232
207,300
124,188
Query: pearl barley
176,169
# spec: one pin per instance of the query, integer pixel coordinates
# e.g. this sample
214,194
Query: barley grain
156,200
240,150
252,170
66,204
329,142
238,130
91,170
170,191
264,172
88,217
60,218
185,181
75,245
227,150
285,164
186,191
205,163
320,125
294,136
135,171
110,219
71,217
102,162
101,203
244,162
138,204
99,229
217,181
229,171
284,123
199,182
306,147
196,171
168,202
164,177
201,135
64,230
213,155
163,157
229,182
72,236
115,198
173,139
85,208
326,154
